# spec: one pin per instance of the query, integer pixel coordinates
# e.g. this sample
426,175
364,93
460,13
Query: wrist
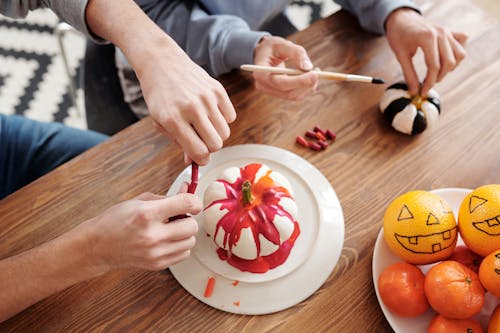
402,13
81,246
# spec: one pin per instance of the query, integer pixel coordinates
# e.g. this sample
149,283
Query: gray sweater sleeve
373,13
70,11
220,42
216,41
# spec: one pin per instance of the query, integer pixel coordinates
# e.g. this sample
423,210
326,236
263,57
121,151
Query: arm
222,43
187,104
130,234
372,14
407,31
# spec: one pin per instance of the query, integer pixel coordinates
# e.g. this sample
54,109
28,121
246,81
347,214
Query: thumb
295,53
187,159
182,203
460,37
183,188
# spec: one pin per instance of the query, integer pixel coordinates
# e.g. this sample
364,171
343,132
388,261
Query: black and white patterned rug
33,79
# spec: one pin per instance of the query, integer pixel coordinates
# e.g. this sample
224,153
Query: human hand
274,51
187,105
135,234
443,50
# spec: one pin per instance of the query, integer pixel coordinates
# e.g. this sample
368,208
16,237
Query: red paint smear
258,216
235,282
237,303
209,289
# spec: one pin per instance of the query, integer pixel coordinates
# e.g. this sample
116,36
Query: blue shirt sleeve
372,14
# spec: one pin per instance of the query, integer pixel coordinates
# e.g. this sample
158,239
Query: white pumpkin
407,114
252,217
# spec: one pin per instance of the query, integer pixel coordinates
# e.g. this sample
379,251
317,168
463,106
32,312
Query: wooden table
368,166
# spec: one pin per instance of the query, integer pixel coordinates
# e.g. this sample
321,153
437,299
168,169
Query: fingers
285,49
187,159
458,48
287,87
446,56
274,51
167,261
180,229
185,136
460,37
224,103
289,82
148,196
183,188
431,55
449,49
409,73
194,147
162,209
207,132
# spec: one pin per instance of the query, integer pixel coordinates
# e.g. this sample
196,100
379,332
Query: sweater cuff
238,49
385,8
73,13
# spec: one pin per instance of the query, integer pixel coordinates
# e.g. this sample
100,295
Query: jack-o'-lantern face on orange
420,227
479,219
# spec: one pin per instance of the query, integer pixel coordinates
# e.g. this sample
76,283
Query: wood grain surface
368,165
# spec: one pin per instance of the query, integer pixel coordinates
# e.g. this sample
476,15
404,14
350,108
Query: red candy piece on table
315,146
320,136
318,129
301,141
323,144
330,135
311,134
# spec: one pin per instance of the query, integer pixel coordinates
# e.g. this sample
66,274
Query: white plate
383,257
312,259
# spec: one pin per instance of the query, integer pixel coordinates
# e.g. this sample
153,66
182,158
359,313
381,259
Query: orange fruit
453,290
479,219
420,228
401,287
489,273
440,324
494,323
465,256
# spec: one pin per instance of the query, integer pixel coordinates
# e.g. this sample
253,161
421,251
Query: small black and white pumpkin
407,114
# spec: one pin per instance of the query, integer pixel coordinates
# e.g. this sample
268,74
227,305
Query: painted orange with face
420,228
479,219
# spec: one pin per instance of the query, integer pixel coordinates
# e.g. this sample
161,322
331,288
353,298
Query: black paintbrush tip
377,80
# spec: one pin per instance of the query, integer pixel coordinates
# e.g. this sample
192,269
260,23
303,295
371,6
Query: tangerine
401,287
494,323
441,324
465,256
420,228
479,219
454,290
489,273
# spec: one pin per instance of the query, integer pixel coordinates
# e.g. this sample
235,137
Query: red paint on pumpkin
258,216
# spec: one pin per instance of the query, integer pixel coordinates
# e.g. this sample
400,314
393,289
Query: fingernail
306,64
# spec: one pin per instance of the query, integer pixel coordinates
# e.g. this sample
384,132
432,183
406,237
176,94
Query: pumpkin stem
247,193
418,101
